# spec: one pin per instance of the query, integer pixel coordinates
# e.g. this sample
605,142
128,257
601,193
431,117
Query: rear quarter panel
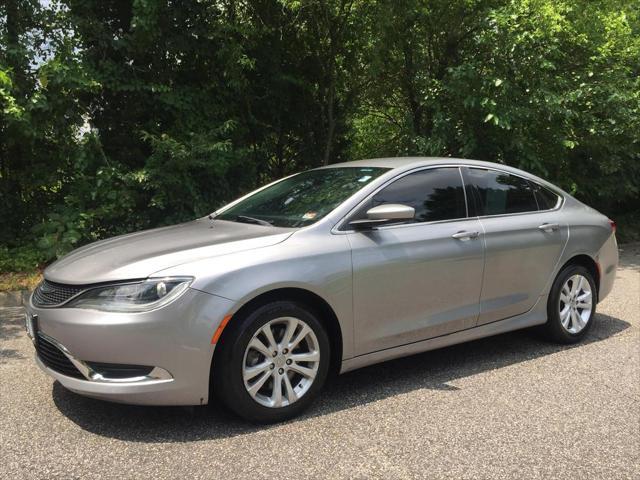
590,234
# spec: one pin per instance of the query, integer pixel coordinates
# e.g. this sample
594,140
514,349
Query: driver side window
435,194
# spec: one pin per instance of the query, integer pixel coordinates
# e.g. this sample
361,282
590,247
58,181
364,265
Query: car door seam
484,266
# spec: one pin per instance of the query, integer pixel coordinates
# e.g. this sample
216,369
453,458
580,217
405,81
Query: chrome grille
49,294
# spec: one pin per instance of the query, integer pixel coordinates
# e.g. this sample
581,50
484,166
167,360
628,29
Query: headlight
132,297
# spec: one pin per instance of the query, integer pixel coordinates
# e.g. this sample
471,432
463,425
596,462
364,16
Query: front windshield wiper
256,221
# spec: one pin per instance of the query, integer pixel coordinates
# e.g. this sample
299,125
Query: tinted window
499,193
436,194
545,197
302,199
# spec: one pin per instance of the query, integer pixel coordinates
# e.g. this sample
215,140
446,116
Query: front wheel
272,362
571,305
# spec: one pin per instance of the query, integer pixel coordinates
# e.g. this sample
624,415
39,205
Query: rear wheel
571,305
272,362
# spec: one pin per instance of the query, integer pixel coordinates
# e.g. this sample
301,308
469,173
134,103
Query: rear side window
545,197
498,193
435,193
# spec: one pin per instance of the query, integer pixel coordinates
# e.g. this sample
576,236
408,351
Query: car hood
140,255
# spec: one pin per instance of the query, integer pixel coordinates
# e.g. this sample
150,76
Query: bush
26,258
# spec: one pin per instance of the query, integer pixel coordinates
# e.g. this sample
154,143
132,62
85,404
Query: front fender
304,261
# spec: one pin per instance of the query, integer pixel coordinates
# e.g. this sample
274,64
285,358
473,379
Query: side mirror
382,214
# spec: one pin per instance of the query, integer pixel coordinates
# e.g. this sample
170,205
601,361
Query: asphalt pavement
511,406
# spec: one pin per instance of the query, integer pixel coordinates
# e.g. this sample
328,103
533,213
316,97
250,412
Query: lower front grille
53,358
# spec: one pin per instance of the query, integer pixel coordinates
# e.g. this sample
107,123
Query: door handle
549,227
464,236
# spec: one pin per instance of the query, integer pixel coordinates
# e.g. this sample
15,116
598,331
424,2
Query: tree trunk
408,85
331,124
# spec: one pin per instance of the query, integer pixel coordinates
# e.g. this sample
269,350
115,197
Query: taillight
613,225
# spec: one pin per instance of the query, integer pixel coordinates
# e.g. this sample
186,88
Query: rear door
523,236
420,279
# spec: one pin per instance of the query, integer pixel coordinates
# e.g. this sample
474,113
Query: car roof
408,163
400,162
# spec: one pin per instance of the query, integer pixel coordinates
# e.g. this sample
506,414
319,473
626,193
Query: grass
19,280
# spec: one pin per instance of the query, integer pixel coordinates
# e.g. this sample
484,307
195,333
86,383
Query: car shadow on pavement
431,370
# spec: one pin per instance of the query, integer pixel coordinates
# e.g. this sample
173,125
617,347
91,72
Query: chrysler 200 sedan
328,270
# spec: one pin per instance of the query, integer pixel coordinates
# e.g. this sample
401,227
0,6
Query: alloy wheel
575,304
281,362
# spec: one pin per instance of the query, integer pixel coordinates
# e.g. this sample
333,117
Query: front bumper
175,340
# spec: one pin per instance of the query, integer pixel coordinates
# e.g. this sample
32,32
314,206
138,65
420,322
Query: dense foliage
122,115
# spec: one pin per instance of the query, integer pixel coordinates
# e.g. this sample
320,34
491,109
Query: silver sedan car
325,271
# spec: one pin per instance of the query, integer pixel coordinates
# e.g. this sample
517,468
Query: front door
421,279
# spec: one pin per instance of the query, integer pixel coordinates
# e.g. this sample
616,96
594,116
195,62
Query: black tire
227,380
553,328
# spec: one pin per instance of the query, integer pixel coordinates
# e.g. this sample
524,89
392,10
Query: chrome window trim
557,207
92,376
336,229
417,224
464,190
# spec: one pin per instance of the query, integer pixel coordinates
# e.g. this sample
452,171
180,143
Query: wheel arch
587,262
311,300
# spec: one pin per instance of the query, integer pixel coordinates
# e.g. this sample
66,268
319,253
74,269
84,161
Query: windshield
302,199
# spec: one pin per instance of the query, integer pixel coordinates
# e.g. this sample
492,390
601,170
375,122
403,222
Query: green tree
544,85
122,115
40,120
